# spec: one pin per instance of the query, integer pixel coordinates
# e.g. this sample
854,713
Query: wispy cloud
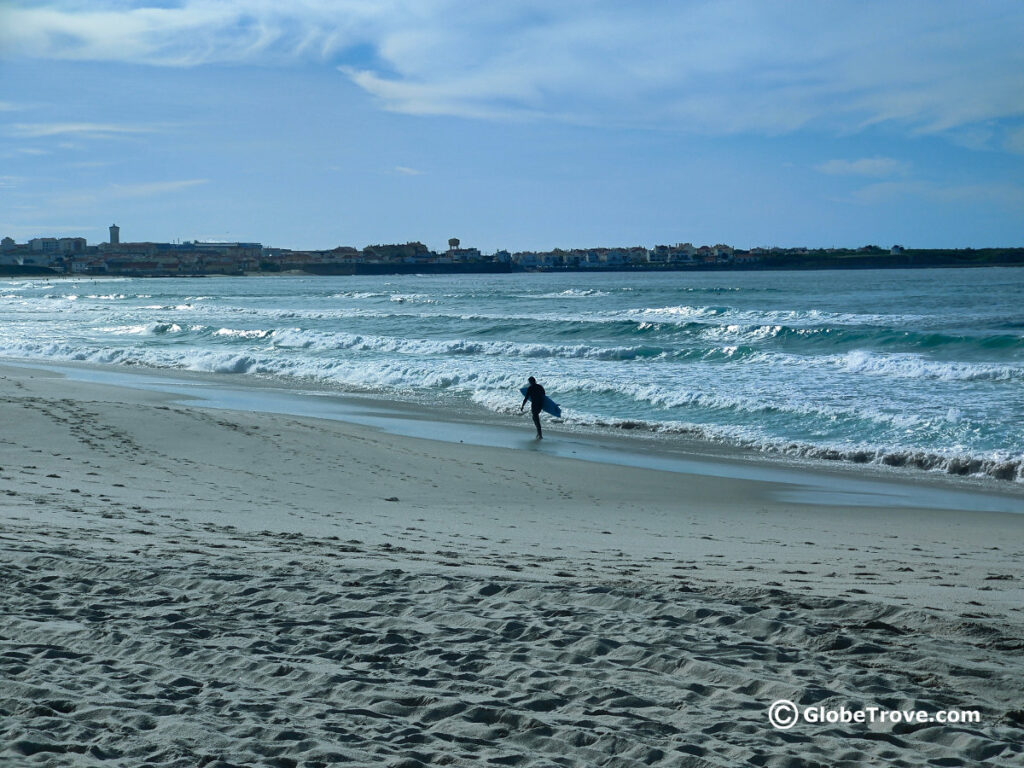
713,66
878,167
406,171
127,192
82,130
193,32
150,188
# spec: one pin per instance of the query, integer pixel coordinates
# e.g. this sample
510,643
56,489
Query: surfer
535,394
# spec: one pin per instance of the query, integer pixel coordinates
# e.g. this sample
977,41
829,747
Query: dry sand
183,586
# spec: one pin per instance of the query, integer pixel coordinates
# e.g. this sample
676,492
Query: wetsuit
535,394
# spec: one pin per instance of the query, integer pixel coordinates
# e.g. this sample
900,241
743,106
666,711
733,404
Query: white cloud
714,66
84,130
406,171
878,167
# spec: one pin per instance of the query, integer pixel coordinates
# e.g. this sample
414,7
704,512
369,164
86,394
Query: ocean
913,368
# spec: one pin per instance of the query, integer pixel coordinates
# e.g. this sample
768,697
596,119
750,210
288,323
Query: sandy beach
188,586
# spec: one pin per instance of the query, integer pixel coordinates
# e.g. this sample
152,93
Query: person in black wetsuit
535,394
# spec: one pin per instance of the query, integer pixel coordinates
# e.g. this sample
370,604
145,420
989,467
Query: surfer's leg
536,421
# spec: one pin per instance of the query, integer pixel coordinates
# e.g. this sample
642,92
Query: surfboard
549,406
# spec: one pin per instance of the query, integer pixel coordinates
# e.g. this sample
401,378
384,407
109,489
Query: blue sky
518,125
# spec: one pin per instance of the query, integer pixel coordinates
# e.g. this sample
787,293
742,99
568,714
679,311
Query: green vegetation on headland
876,258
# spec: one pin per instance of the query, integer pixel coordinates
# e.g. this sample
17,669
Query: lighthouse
115,234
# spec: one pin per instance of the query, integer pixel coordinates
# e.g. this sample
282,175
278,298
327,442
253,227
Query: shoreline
414,417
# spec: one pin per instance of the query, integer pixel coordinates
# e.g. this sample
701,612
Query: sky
514,124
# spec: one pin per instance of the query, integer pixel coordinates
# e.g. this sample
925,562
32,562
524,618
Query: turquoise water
917,368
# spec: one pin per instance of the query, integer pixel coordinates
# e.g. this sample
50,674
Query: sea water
917,368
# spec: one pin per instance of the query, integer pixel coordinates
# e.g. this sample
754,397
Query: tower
115,234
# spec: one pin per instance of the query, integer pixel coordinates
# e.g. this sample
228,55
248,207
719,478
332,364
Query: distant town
73,256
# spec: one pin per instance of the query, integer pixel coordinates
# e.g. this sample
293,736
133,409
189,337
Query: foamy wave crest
746,333
962,464
571,293
359,295
859,337
378,375
170,307
908,366
144,329
153,357
63,351
743,319
751,407
324,341
865,363
686,314
239,333
226,362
